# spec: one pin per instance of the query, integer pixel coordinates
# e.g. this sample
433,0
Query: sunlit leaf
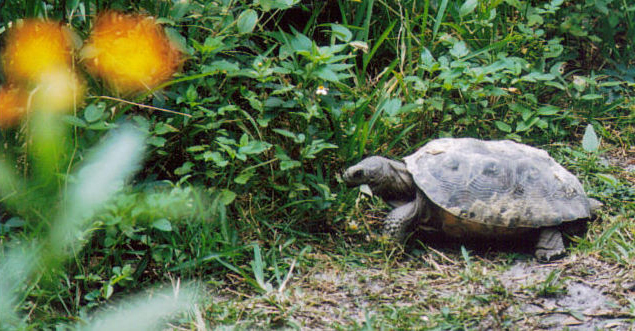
247,21
162,224
590,141
254,147
94,112
467,7
503,126
341,32
227,197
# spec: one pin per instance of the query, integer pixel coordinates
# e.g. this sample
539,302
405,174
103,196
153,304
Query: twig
140,105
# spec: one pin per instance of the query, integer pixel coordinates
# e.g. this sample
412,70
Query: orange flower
13,105
36,46
130,52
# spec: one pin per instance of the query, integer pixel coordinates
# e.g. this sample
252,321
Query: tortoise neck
396,187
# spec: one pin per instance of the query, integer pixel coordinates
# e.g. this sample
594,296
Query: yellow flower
130,52
36,46
13,105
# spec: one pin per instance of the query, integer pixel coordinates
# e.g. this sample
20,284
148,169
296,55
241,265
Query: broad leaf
247,21
468,7
590,141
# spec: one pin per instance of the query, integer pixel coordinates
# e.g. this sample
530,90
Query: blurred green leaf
608,179
246,21
590,141
227,197
254,147
93,112
459,50
341,32
467,7
503,126
162,224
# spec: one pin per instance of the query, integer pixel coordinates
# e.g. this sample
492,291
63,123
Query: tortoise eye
358,174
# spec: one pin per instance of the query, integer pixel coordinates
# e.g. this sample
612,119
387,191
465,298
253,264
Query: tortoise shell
496,184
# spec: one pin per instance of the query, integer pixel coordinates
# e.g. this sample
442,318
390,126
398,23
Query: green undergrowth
241,187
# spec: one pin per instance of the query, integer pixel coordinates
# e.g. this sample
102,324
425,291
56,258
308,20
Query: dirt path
444,291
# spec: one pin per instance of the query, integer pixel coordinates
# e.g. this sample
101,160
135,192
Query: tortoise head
370,171
386,178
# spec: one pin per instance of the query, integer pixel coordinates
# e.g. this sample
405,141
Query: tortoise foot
550,245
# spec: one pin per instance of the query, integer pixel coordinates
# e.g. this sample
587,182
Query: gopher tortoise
473,188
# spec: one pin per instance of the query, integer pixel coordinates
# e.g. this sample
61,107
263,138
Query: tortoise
467,187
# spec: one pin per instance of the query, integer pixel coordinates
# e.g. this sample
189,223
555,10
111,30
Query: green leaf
177,39
273,102
608,179
590,141
162,224
534,76
179,9
548,110
341,32
94,112
289,164
439,18
515,3
327,74
468,7
184,169
601,6
301,42
156,141
196,148
591,97
503,126
426,58
268,5
243,177
258,267
459,50
392,106
227,197
534,19
215,157
526,125
254,147
247,21
316,147
74,120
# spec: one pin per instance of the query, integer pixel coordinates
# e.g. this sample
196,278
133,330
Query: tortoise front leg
399,219
550,245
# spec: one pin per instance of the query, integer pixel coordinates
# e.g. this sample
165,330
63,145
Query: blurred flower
130,52
58,91
36,46
352,226
321,90
13,105
359,45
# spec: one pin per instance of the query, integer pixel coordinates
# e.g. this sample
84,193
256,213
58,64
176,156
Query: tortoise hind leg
550,245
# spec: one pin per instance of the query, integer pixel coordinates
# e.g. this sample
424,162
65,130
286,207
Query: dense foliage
275,97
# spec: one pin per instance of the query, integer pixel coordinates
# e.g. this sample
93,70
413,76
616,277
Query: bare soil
438,289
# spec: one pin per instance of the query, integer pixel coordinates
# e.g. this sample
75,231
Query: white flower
321,90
